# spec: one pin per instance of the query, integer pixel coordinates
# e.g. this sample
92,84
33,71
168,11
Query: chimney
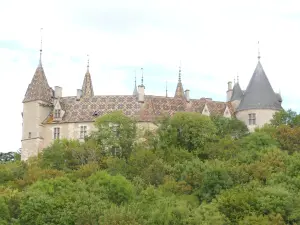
57,92
229,91
79,94
141,96
187,95
229,85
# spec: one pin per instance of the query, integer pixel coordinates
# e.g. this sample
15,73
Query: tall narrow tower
36,107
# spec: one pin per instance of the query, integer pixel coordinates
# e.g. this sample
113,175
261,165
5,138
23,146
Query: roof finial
234,80
166,88
135,78
41,48
258,51
88,63
238,80
179,76
142,76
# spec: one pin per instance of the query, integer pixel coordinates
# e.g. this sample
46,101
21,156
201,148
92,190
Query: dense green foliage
193,170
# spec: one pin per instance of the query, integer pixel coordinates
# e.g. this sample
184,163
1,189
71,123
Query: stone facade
48,115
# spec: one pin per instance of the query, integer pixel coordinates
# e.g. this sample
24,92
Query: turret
179,93
37,105
259,102
87,86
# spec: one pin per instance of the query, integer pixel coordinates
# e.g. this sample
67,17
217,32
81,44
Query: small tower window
252,119
56,133
83,131
29,135
57,113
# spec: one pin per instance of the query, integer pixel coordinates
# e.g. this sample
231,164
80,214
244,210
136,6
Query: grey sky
214,40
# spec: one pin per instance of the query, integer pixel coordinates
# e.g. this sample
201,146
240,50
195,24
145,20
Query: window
115,151
29,135
56,132
252,119
115,129
57,113
83,131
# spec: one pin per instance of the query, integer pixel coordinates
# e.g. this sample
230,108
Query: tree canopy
193,169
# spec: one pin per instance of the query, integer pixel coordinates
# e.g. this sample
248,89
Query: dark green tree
116,134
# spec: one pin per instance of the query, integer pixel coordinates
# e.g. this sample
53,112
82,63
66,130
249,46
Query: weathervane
41,47
258,51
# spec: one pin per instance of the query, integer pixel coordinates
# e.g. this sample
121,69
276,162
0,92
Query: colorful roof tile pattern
88,109
179,93
87,86
39,89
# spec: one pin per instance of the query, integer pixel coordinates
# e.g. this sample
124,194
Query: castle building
47,115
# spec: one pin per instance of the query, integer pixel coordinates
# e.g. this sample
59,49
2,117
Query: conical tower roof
237,93
39,88
259,93
87,86
179,93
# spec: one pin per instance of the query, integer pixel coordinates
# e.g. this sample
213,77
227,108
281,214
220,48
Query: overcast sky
214,40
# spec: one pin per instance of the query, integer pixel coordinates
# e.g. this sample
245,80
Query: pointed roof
87,86
179,93
237,93
259,93
39,88
135,92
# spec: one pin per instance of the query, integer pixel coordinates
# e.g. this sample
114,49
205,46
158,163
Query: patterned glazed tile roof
179,93
84,110
87,86
39,89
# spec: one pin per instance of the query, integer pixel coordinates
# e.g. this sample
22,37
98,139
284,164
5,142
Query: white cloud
215,40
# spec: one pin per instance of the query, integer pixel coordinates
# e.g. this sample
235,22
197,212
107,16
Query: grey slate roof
39,89
259,93
237,93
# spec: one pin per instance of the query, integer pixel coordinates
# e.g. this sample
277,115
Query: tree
289,117
230,126
116,134
288,138
187,130
9,156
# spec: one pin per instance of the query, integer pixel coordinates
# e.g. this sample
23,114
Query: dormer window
57,113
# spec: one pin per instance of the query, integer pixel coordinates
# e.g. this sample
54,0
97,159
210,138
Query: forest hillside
193,170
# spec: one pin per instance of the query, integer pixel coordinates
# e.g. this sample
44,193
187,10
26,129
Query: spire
259,93
87,86
135,92
258,51
237,93
238,80
88,64
39,89
166,89
179,75
142,79
41,48
179,89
